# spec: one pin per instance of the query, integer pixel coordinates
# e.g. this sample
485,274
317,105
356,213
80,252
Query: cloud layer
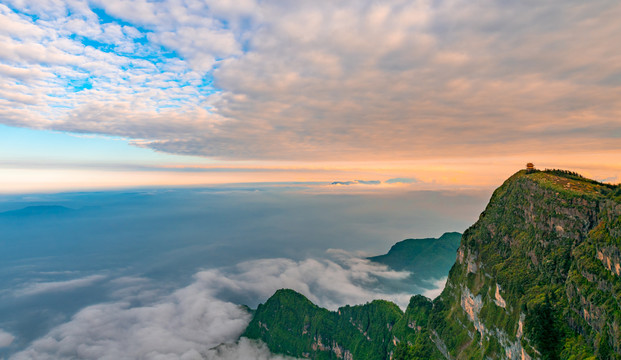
5,338
180,326
344,279
319,80
55,286
244,349
192,321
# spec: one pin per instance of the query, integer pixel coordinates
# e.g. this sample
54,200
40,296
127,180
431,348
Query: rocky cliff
538,276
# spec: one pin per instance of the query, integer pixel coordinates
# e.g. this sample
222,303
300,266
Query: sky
443,94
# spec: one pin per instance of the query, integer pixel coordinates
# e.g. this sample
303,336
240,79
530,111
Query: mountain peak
566,182
537,276
535,267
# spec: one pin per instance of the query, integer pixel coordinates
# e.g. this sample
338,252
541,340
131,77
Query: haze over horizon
440,94
131,274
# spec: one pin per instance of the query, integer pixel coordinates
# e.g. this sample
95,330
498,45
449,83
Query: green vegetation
538,275
538,240
290,324
413,334
543,329
424,258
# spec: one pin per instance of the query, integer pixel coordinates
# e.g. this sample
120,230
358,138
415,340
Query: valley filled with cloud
191,321
162,274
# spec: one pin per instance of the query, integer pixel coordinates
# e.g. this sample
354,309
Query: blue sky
23,145
429,90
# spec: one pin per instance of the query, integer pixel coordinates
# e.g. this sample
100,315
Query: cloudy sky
449,93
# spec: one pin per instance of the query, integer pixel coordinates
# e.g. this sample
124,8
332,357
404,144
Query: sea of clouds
204,319
162,274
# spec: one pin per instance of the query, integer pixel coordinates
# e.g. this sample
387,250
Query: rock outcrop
538,276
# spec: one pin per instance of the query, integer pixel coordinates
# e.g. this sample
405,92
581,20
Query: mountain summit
538,276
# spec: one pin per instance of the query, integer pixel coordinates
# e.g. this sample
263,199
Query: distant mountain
538,276
38,210
424,258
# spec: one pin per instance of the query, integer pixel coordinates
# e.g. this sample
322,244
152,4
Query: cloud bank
402,181
180,326
54,286
330,283
320,80
357,182
6,339
193,322
436,289
244,349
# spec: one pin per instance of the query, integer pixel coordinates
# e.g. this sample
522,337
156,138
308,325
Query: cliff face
537,276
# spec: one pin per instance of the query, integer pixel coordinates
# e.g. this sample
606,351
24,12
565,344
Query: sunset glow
108,94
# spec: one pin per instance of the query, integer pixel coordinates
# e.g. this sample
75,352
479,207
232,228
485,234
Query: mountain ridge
536,277
427,258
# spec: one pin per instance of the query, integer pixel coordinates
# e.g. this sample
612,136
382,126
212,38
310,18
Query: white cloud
244,349
6,339
58,63
55,286
15,26
436,290
319,80
191,321
22,73
180,326
327,283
